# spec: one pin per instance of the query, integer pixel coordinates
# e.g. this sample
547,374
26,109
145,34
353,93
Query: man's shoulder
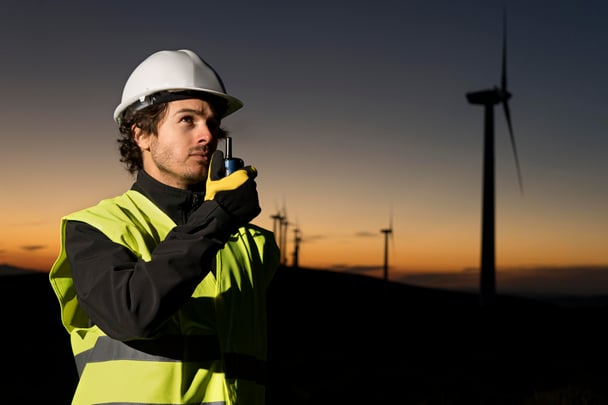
121,205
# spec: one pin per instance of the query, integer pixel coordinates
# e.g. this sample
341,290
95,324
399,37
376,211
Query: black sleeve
130,298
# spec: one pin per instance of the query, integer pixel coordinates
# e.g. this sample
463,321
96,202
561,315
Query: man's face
180,154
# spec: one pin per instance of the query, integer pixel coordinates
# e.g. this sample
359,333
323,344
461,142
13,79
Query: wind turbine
277,220
488,99
297,239
283,225
388,232
279,228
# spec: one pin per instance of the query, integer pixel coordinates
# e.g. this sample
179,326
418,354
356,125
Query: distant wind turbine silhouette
284,224
489,98
297,239
277,219
388,233
279,229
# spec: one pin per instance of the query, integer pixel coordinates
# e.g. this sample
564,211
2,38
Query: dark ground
346,339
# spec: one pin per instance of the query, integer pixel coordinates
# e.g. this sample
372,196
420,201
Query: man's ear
141,137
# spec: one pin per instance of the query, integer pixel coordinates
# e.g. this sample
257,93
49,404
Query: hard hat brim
232,103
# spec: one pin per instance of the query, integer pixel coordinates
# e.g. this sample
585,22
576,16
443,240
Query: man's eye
187,118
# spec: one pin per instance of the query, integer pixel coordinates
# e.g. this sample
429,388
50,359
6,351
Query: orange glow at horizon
31,239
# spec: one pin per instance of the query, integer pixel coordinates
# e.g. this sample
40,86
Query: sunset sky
355,113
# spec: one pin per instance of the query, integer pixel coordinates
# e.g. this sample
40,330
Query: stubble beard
185,170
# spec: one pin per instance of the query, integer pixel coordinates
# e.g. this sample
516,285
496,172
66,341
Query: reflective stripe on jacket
213,350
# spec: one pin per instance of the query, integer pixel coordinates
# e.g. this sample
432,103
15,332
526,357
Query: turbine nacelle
488,97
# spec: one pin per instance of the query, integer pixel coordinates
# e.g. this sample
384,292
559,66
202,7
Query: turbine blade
503,80
505,105
506,96
390,227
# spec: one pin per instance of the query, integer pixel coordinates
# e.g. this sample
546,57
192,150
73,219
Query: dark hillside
37,362
348,339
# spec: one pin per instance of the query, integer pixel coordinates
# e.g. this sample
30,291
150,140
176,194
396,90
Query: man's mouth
202,154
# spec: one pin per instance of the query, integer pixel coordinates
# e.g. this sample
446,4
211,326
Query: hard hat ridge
169,75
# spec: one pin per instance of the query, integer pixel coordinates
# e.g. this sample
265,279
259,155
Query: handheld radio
231,164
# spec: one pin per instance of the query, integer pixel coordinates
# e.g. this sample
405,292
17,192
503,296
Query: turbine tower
488,99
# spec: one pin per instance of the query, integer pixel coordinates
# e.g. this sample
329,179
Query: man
162,289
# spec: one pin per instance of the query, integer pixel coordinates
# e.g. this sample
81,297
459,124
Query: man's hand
236,193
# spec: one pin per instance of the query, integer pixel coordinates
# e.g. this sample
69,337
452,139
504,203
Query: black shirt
129,298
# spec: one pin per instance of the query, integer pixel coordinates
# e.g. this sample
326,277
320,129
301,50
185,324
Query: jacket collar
178,204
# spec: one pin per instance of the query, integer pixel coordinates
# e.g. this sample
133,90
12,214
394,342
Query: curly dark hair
147,119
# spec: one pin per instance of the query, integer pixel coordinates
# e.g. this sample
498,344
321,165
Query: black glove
237,193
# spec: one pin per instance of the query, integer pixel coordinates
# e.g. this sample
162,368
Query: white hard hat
169,75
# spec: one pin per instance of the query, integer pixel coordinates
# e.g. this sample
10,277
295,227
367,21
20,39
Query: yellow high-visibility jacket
212,351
